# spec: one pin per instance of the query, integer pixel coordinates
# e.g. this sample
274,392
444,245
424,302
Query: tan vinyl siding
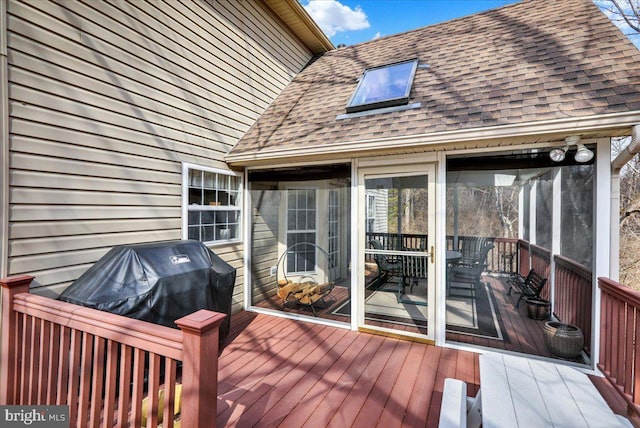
107,99
264,239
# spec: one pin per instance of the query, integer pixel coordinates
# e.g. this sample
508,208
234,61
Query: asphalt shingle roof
536,60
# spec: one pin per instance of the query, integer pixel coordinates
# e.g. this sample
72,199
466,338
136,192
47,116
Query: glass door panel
399,229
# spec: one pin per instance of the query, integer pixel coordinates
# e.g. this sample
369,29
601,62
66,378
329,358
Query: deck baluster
83,348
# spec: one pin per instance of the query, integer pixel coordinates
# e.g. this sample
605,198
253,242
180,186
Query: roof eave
554,130
294,15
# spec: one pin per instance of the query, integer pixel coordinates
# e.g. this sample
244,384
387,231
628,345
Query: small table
453,256
521,392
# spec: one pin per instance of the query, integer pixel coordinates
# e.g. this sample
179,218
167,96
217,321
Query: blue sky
355,21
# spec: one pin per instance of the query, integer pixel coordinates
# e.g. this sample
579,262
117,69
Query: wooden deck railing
504,256
541,263
393,241
502,259
619,340
573,296
524,256
102,365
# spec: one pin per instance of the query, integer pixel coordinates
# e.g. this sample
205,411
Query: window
334,232
295,205
301,228
211,204
371,213
384,86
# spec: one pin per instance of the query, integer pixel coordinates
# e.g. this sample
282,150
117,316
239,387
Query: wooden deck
279,372
523,334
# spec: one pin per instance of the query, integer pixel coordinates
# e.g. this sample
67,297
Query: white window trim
334,253
185,201
370,208
286,228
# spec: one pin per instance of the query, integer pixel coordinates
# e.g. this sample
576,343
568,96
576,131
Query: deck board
239,362
401,393
254,378
301,374
291,395
277,372
364,387
330,382
280,374
332,405
424,387
371,409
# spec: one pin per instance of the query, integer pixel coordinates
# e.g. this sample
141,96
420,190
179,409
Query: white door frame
378,169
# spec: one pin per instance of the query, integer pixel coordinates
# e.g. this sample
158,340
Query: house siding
106,100
264,239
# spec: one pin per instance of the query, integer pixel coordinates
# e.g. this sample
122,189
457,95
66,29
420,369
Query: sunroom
388,241
411,185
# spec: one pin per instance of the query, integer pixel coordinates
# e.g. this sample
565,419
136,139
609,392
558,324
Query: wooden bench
530,286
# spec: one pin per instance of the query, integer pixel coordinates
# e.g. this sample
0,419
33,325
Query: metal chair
531,286
389,266
469,270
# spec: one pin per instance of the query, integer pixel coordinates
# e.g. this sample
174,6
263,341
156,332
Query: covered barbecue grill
158,282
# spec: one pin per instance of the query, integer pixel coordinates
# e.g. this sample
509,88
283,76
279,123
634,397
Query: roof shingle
537,60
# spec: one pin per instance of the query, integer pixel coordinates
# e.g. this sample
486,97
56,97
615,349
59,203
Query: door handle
432,254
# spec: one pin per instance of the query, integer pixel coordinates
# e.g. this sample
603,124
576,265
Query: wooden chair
531,286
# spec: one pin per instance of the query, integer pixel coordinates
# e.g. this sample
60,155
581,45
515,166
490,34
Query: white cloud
334,17
377,35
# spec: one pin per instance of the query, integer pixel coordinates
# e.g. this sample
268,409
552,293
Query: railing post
8,336
200,368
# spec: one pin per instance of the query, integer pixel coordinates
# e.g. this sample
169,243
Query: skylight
384,86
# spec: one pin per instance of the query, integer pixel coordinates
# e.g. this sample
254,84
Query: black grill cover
158,282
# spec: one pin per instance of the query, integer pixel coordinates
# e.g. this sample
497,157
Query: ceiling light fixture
557,154
582,154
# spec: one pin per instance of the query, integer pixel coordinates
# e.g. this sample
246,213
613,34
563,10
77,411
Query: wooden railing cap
16,281
620,291
200,321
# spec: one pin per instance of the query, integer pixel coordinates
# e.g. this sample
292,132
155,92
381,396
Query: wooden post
200,368
8,364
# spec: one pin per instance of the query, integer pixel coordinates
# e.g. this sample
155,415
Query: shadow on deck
280,372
